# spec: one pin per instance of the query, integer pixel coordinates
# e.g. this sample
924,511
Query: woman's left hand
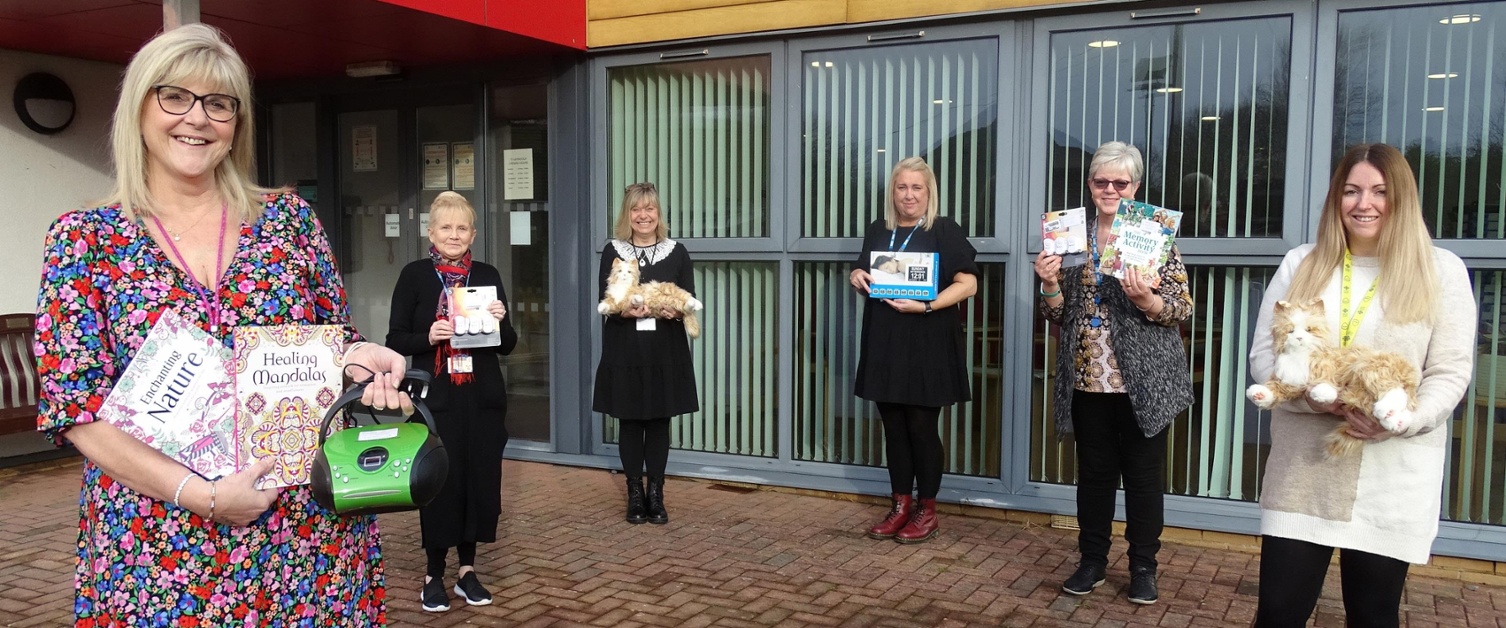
387,369
1140,287
1363,426
668,312
908,306
496,309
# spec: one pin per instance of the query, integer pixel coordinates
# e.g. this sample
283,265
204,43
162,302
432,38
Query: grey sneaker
1082,582
1142,589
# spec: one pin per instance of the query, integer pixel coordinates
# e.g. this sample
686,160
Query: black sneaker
434,597
1088,576
470,588
1142,589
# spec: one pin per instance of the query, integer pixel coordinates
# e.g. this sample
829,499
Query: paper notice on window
517,174
363,149
463,161
521,228
436,158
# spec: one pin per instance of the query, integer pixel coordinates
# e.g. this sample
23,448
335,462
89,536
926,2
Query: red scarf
450,276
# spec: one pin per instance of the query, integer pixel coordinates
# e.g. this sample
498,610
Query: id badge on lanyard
461,364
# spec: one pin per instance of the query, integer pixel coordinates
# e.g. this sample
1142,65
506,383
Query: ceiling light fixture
1444,75
1168,90
1103,43
1462,18
1432,109
1210,118
367,69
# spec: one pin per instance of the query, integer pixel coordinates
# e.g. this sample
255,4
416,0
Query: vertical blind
1431,82
833,425
1217,448
864,110
1205,103
699,130
734,361
1476,474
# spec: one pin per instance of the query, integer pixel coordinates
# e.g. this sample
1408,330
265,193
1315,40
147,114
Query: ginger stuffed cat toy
624,292
1309,362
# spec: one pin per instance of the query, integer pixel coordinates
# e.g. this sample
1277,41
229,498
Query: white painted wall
43,176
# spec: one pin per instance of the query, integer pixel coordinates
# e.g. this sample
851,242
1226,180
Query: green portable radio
383,467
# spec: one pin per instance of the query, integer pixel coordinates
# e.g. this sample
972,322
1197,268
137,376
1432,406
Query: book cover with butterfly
286,379
177,395
1141,237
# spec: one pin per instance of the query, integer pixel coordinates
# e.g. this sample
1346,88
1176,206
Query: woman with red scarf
468,396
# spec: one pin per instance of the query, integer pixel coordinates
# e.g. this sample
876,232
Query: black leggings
1291,579
913,446
641,443
466,552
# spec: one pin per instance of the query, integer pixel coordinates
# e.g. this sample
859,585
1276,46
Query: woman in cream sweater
1379,508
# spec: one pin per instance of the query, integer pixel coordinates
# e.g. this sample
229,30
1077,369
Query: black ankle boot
636,511
656,512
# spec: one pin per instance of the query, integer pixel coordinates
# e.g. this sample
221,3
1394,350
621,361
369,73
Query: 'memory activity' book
1065,233
1141,237
286,379
178,396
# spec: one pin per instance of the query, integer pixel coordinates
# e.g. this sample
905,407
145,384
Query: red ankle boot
923,524
898,517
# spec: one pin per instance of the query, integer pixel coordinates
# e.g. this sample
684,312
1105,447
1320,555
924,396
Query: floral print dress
145,562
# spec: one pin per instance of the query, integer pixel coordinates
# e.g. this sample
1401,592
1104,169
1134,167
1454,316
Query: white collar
646,255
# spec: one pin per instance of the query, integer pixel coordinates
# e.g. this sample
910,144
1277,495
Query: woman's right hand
441,331
237,501
1047,268
860,279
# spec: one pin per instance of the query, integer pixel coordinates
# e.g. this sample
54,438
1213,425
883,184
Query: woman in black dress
468,397
911,363
645,375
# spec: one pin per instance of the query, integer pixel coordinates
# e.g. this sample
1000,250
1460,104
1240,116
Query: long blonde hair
933,205
193,52
1408,284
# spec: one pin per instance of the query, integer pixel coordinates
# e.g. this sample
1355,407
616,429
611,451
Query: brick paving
733,557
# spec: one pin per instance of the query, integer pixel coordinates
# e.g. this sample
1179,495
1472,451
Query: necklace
644,252
178,237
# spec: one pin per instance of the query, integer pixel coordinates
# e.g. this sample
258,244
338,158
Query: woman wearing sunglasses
1121,377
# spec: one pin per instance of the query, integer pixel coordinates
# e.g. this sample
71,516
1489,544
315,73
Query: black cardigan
415,298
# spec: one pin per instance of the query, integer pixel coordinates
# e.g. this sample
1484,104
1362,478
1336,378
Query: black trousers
643,444
466,552
1110,449
913,446
1291,579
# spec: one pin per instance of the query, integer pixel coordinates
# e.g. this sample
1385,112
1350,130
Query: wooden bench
18,374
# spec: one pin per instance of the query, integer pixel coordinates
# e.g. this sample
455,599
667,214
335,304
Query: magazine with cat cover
1065,233
286,379
474,326
1141,237
177,395
903,275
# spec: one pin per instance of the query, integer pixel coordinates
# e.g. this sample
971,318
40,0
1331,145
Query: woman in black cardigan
468,396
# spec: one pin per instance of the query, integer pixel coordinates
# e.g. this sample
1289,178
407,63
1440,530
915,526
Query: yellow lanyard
1349,324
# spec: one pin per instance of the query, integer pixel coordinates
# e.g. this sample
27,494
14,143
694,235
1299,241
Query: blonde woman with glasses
187,230
645,375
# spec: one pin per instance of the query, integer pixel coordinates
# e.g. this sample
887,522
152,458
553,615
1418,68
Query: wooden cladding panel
747,17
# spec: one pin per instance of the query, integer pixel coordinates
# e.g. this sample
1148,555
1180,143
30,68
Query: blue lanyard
443,287
906,243
1093,248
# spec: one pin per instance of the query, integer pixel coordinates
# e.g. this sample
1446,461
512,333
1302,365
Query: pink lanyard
210,304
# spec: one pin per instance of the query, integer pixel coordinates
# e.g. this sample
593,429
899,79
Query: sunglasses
641,187
1119,184
178,101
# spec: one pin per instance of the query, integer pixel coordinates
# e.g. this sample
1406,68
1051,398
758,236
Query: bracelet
212,486
1146,309
351,349
179,493
1053,294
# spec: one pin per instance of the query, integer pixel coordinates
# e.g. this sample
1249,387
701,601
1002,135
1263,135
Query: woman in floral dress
185,229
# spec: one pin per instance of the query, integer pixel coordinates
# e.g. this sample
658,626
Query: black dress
646,374
915,359
470,417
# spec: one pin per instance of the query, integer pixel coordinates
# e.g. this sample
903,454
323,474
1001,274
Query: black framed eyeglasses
178,101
